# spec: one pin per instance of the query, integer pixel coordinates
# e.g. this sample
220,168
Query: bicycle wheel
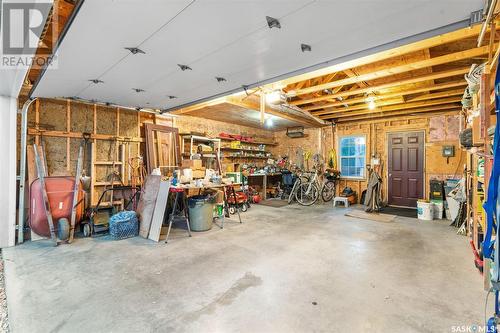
328,191
307,194
293,191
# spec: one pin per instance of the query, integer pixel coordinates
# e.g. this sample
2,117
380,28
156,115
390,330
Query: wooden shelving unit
479,158
250,142
188,143
250,150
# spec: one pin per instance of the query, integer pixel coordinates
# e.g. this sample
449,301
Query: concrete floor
290,269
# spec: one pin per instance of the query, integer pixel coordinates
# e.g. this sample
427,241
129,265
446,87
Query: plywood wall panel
436,166
106,120
82,117
53,114
55,150
105,150
287,146
128,123
213,128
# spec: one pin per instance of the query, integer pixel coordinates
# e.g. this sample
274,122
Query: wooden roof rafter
398,107
429,71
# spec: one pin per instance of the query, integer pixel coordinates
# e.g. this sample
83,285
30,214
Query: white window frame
339,156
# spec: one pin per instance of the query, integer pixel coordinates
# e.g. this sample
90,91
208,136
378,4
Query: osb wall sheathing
213,128
112,121
311,142
439,131
69,118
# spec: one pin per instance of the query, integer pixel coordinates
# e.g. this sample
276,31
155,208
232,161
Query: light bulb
372,105
269,122
273,97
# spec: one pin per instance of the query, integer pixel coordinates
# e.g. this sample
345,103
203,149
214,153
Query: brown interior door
406,168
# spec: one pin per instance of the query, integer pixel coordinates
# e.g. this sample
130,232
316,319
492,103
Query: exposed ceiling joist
396,107
452,57
390,95
447,93
445,109
254,104
397,100
399,51
416,79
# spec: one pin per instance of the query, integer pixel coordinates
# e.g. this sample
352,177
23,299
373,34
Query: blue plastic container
123,225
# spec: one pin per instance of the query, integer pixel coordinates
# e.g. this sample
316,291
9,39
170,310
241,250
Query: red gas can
60,194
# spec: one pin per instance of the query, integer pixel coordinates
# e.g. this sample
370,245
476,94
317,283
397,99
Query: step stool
343,200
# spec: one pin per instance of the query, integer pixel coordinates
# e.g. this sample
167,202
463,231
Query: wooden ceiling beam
196,107
251,103
448,58
395,107
447,93
358,107
416,79
413,113
395,52
352,73
386,96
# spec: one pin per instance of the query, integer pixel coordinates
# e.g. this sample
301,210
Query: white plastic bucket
425,210
438,210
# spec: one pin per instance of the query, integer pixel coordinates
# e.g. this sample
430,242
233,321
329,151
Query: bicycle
301,177
307,193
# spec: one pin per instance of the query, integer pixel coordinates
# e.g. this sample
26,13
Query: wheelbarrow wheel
244,207
87,230
232,210
63,229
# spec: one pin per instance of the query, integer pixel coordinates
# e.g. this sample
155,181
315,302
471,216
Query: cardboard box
198,174
192,164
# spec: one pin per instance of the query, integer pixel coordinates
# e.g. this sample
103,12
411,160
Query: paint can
425,210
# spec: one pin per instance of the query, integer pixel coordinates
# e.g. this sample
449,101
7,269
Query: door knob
390,175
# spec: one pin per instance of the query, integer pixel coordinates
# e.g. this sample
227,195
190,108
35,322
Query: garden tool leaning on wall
372,199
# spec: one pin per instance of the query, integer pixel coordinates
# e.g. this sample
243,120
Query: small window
352,156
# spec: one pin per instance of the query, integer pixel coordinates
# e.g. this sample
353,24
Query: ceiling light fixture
272,22
273,97
269,122
135,50
96,81
184,67
305,48
220,79
370,100
137,90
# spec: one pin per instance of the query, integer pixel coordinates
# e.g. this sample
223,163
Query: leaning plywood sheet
159,213
146,206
